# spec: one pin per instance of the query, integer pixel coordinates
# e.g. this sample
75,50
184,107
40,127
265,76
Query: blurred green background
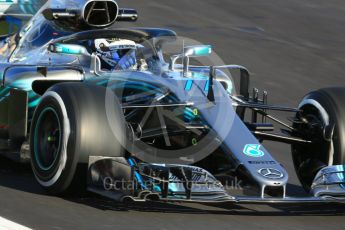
3,28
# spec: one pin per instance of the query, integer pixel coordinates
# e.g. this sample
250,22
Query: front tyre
52,166
322,120
70,124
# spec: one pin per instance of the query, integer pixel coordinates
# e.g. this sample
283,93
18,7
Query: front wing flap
126,180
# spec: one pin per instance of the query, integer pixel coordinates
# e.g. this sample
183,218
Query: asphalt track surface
290,46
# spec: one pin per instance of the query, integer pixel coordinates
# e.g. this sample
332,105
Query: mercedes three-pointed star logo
271,173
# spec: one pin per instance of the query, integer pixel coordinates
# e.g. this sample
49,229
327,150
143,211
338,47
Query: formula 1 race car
109,109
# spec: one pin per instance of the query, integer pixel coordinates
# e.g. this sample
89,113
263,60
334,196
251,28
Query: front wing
125,180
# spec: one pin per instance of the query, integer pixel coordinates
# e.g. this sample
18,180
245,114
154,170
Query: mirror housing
71,49
188,52
197,51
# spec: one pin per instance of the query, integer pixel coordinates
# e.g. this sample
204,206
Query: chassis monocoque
162,131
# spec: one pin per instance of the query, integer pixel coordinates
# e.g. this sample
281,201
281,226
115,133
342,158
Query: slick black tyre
71,123
321,120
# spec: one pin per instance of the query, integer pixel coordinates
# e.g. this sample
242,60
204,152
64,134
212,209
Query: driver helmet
116,53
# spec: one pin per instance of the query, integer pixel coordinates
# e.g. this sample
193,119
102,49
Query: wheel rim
47,139
308,160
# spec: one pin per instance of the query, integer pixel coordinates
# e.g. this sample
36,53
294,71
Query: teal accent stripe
341,175
207,85
189,85
34,103
103,82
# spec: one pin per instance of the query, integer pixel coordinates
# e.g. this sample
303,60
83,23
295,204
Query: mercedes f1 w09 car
109,109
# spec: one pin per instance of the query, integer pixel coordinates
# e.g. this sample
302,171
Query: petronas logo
253,150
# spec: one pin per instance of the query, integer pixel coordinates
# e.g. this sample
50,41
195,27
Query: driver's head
116,53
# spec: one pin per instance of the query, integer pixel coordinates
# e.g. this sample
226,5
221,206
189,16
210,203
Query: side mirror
68,49
188,52
197,51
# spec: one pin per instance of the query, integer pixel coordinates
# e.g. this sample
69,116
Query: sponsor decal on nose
253,150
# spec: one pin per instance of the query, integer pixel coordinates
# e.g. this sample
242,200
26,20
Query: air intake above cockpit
89,14
100,13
